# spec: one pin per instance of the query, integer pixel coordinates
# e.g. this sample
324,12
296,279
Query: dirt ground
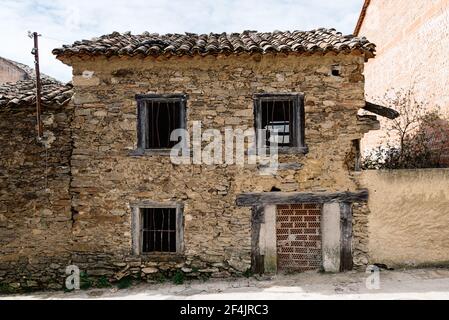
400,284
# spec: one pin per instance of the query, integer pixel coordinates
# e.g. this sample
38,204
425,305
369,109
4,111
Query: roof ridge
319,40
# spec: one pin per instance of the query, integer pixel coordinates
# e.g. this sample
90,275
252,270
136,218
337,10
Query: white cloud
65,21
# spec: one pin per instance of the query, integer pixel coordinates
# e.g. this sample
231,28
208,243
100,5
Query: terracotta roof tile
153,44
23,93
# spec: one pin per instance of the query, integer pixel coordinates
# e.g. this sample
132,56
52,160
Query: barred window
158,116
158,230
157,227
283,113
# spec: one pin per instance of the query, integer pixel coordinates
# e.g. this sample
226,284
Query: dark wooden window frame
142,122
298,124
137,227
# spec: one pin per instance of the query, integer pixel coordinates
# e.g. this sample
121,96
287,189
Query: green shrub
103,282
5,288
159,277
125,282
248,273
179,277
85,281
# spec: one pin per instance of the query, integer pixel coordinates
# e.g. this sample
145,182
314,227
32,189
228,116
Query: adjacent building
412,39
11,71
35,200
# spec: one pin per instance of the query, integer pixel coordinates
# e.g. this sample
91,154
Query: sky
65,21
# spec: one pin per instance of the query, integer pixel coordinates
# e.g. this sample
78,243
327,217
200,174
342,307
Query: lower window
157,227
158,230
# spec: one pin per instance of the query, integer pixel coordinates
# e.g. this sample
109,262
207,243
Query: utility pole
35,52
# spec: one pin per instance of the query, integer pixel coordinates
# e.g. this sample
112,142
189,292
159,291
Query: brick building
125,209
412,38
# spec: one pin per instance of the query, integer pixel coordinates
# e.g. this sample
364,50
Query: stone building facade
411,55
224,215
35,202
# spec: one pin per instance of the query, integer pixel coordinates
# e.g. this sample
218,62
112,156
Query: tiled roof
153,44
23,93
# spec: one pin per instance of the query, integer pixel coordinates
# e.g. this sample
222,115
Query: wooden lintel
257,199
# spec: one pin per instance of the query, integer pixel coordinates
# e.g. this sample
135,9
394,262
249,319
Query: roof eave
68,58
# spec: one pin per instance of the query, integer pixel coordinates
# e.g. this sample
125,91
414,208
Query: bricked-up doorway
298,233
312,230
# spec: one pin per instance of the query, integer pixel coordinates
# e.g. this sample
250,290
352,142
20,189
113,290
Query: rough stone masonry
106,177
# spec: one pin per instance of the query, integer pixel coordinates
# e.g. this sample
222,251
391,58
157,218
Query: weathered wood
136,231
257,260
256,199
346,263
180,229
381,111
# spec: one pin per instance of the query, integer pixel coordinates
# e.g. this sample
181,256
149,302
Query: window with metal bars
159,234
283,113
158,116
157,227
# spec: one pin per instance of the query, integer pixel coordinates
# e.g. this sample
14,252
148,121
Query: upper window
283,113
158,116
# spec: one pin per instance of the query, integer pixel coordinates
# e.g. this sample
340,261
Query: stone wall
35,203
409,216
360,234
411,53
217,236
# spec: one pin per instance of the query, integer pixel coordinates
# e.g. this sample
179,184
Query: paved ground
400,284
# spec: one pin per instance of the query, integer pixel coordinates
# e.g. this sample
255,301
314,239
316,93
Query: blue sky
65,21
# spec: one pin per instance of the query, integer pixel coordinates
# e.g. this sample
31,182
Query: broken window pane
277,116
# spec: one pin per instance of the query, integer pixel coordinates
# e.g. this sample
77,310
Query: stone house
35,202
413,26
135,212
